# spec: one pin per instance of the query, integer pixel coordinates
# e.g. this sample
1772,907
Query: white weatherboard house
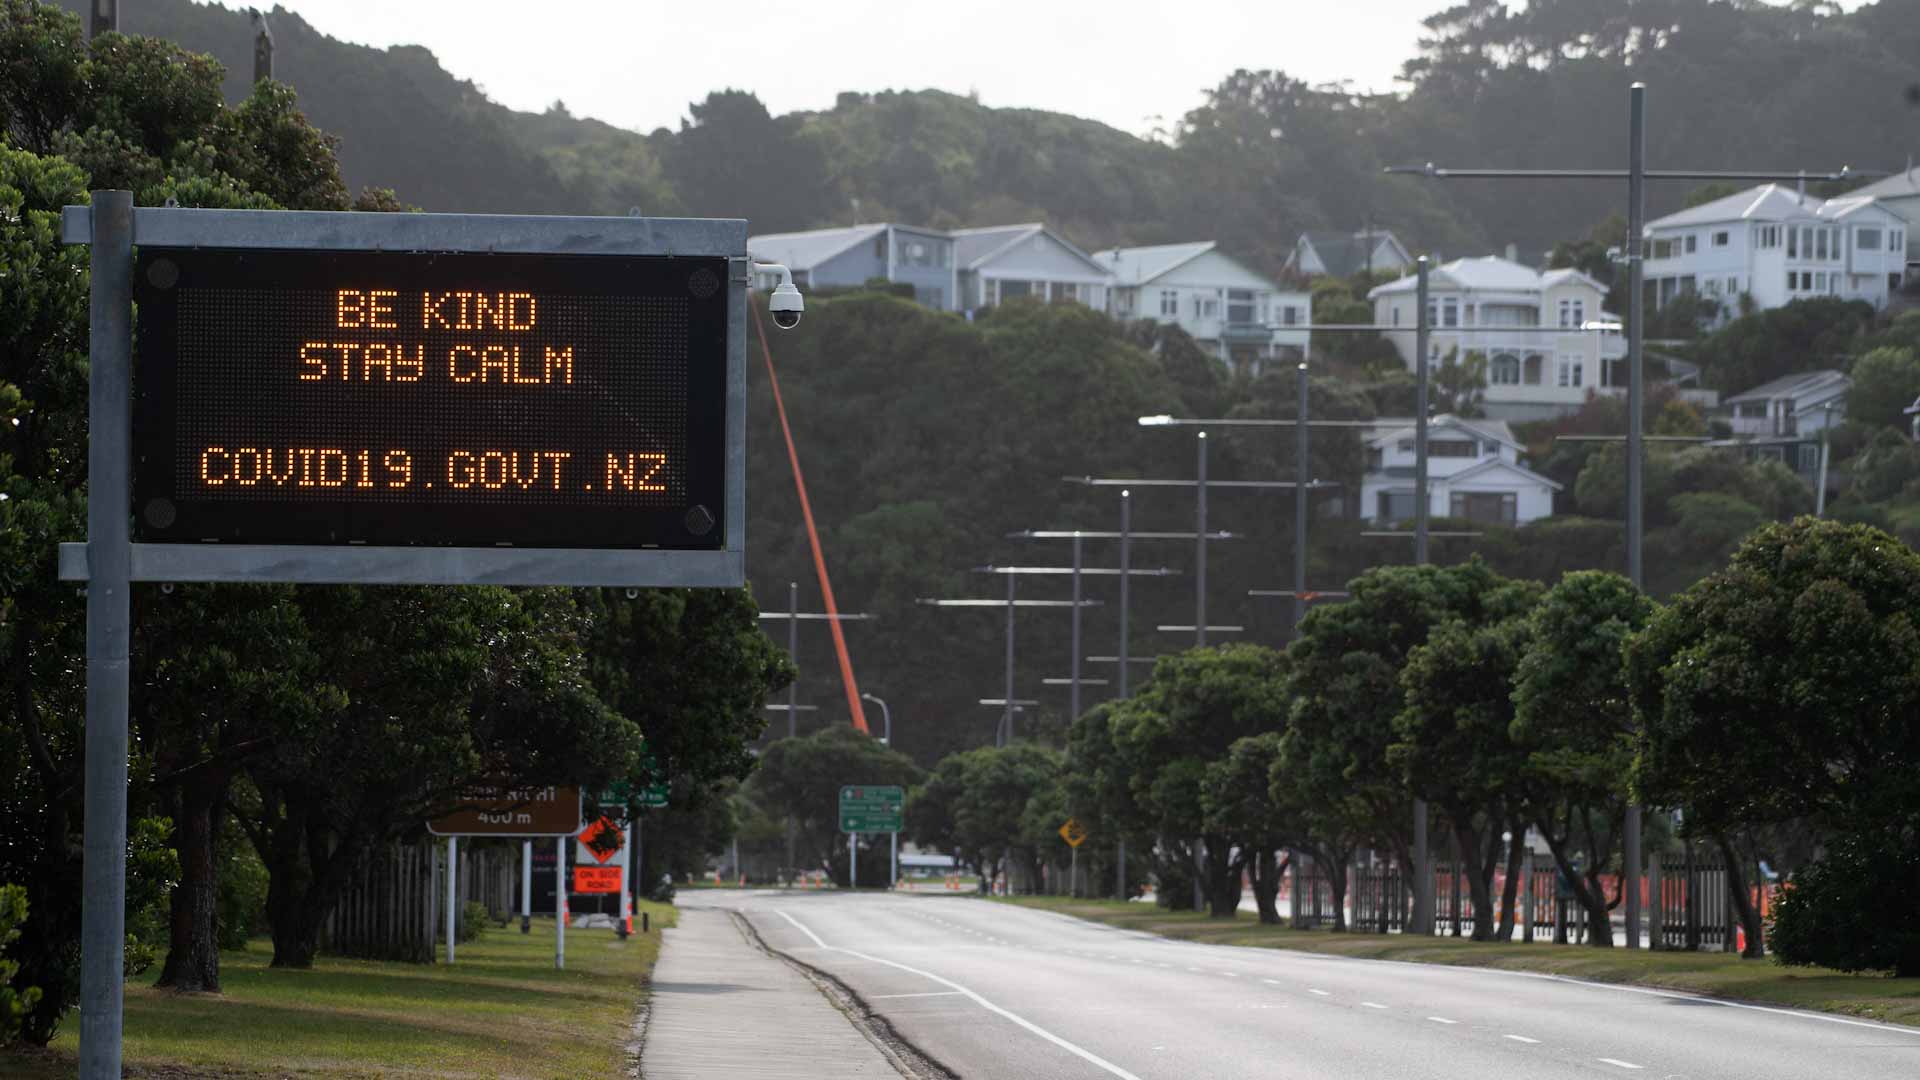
1775,245
1242,316
1785,419
1473,473
850,257
1530,327
1006,262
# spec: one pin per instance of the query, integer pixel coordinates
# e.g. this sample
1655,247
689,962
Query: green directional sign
865,809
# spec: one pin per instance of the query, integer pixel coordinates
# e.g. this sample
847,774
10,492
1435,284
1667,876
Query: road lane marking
1322,993
1077,1051
929,993
1442,1020
1231,974
1371,1005
1271,982
1622,1064
1521,1038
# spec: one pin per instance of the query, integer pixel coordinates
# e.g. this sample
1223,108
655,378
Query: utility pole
1422,859
1010,705
262,47
105,18
793,615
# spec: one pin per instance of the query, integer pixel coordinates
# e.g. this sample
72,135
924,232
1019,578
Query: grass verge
500,1011
1715,974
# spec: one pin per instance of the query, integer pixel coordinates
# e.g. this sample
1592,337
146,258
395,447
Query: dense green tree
1237,796
799,780
1573,719
1170,733
1783,687
1454,743
1885,382
734,159
1800,336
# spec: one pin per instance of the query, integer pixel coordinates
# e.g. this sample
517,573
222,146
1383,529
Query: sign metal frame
508,804
863,817
328,231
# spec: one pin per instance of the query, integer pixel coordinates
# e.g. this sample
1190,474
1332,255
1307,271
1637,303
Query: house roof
1492,464
1904,184
1344,254
1772,202
1488,273
1139,265
1824,383
974,248
806,250
1497,430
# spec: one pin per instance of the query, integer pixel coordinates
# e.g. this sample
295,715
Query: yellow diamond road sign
1073,832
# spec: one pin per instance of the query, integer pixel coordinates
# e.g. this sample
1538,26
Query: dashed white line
1231,974
1322,993
1271,982
1079,1052
929,993
1622,1064
1442,1020
1371,1005
1521,1038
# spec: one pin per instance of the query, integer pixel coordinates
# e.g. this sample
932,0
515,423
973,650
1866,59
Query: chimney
1513,253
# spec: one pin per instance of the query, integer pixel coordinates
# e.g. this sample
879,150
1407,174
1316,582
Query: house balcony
1253,333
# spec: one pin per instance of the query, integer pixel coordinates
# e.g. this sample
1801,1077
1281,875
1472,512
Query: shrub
1853,909
473,922
14,1004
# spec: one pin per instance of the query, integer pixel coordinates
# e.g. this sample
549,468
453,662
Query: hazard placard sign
596,879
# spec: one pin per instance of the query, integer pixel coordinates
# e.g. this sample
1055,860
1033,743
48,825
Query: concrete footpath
722,1007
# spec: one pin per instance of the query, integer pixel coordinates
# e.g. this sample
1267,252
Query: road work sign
602,841
505,810
1073,832
872,809
596,879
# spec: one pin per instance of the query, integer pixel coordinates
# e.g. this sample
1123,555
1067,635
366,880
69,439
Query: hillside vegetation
1733,83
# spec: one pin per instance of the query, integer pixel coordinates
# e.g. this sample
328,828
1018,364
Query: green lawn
500,1011
1717,974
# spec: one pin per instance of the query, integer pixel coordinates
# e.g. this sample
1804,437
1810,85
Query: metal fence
395,905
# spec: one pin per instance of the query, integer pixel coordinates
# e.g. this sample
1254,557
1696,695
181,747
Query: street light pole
1200,547
1300,477
1422,864
1005,734
886,728
1636,398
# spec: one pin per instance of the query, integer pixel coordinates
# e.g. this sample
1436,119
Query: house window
1395,506
1207,307
1820,281
1566,314
1530,370
1450,448
1896,239
1290,315
1793,242
1693,243
1240,305
1169,303
1450,312
1405,446
1820,243
1710,287
1733,286
1722,238
1123,301
1396,314
1065,291
1867,240
1663,249
1751,410
1571,372
880,246
1486,507
1505,370
1809,458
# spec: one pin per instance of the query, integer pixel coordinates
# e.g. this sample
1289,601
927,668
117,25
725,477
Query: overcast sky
637,63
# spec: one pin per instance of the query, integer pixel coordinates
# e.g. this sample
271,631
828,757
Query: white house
1241,315
1775,245
1473,473
1543,336
1345,254
1785,420
1002,262
850,257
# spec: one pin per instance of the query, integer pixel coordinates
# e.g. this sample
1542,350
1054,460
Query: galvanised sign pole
360,398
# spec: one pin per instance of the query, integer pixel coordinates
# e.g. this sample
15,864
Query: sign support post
853,860
626,881
109,552
453,891
559,903
526,886
893,861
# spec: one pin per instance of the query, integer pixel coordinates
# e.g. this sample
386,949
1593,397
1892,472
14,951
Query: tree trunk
1267,873
1586,891
1509,894
1479,888
1222,879
193,947
1756,947
1337,882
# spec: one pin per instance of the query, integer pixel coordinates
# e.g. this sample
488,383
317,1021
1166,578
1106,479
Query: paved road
994,991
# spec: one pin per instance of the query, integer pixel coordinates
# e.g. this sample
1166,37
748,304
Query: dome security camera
786,304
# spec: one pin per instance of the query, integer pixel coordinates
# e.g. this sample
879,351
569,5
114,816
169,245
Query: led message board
352,397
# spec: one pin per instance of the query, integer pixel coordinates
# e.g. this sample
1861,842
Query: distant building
1900,193
1541,334
1784,420
1473,473
1005,262
1775,245
1242,316
1346,254
851,257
